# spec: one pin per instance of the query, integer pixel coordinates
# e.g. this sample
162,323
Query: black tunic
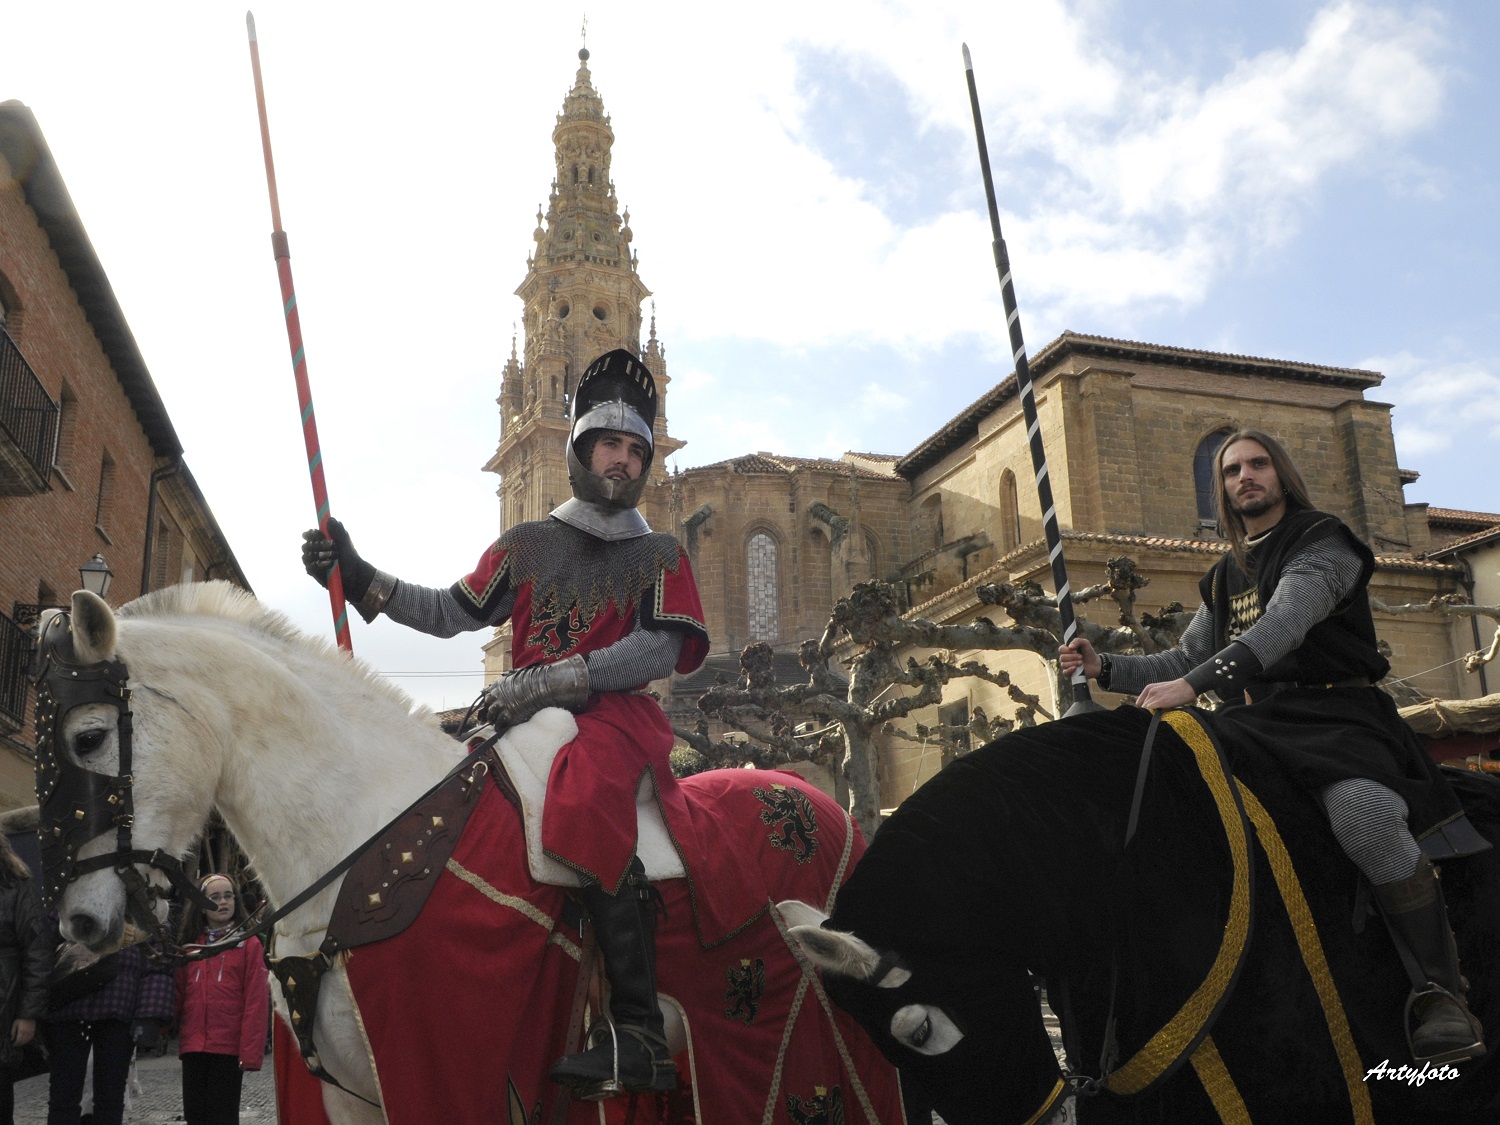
1319,733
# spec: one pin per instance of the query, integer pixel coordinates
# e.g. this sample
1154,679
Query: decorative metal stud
437,822
374,899
407,857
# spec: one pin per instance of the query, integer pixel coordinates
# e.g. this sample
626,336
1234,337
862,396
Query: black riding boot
629,1051
1446,1031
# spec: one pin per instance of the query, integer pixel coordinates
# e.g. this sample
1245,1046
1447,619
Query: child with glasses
223,1005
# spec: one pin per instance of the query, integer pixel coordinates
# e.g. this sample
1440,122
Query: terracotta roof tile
783,465
1474,540
1457,517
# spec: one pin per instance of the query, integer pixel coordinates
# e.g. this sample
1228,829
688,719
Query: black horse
1224,966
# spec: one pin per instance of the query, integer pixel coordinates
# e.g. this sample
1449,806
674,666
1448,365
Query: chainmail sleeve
640,656
1312,585
1130,674
437,612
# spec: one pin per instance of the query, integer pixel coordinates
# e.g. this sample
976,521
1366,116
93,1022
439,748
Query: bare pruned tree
833,724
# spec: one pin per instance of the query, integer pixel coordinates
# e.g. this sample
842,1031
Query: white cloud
1441,404
875,401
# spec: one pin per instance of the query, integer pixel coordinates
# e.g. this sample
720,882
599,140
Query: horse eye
90,740
926,1030
920,1036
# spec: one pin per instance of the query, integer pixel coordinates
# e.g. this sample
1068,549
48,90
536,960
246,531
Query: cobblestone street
155,1095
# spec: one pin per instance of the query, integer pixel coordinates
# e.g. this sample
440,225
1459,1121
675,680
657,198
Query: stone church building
1131,430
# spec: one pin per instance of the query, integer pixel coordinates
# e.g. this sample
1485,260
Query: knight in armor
600,605
1284,636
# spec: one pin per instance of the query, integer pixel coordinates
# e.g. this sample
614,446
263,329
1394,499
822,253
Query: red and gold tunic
576,594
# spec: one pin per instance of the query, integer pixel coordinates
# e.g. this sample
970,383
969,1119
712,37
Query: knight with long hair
1285,637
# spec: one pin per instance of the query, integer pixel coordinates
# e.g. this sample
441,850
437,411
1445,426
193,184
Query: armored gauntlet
521,694
366,588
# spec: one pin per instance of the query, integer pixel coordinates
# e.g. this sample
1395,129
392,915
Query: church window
601,312
1010,512
1204,479
760,558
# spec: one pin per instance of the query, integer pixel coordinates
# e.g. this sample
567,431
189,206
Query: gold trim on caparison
1172,1040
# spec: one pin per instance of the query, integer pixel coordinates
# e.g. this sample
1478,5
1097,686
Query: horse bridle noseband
75,804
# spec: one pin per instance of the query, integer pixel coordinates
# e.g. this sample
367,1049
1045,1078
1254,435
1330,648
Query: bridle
77,804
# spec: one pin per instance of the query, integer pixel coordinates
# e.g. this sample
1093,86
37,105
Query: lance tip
250,25
968,62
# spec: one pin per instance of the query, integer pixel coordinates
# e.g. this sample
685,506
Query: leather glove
320,552
510,701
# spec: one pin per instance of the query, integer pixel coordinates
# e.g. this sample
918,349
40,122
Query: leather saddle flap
388,886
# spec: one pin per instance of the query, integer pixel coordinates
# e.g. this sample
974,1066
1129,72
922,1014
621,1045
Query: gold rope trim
1218,1084
1313,957
342,974
519,905
810,981
1168,1044
1048,1104
838,876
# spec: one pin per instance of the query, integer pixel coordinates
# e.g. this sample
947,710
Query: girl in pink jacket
222,1007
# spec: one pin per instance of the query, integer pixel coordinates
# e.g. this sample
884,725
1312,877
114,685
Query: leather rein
77,804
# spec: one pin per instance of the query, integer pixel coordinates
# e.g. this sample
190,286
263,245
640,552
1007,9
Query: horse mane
227,602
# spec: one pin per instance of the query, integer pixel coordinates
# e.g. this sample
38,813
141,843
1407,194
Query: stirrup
1474,1049
663,1069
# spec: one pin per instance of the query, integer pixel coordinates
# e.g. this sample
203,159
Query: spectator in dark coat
137,999
223,1008
25,961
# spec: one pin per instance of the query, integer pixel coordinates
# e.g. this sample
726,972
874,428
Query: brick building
1130,429
89,461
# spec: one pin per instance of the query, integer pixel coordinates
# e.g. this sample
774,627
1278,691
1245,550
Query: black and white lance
1082,699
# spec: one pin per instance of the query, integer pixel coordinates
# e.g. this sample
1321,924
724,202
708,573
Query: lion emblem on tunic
791,814
825,1107
747,984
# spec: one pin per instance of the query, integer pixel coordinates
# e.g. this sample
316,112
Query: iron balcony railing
28,416
16,645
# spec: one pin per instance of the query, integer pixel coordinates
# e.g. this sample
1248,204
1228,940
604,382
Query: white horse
229,702
306,753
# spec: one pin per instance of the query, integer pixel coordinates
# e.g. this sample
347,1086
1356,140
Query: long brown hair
12,867
1292,486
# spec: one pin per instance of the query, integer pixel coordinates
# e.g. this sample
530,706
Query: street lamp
96,575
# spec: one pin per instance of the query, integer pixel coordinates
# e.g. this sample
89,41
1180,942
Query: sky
1307,181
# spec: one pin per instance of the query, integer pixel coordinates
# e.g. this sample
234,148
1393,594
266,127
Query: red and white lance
299,355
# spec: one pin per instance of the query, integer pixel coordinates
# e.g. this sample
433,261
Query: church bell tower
582,297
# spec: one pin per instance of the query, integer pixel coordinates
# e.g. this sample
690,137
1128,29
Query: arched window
1010,512
1204,478
760,559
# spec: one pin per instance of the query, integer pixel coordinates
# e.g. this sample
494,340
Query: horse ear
93,628
833,951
